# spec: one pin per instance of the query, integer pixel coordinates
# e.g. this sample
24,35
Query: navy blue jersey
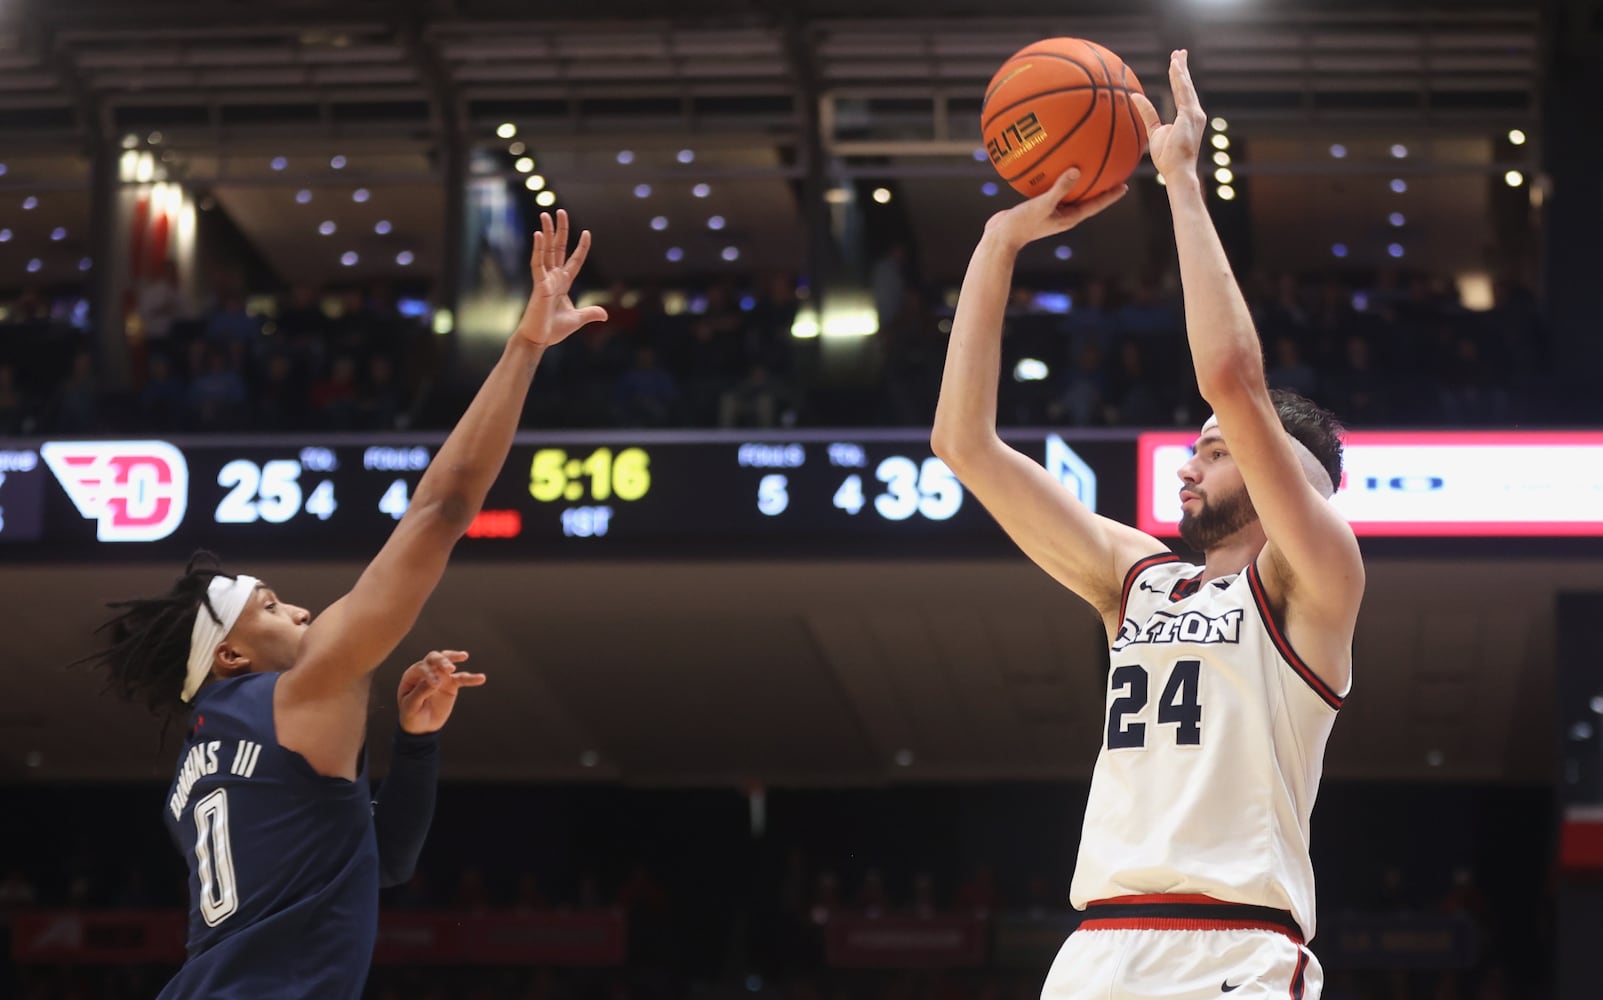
283,863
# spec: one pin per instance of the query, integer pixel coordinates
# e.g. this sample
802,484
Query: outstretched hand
428,690
551,315
1174,148
1047,214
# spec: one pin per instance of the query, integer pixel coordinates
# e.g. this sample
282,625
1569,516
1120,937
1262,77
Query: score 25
553,475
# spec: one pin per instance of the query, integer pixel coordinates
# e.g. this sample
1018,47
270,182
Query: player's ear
229,661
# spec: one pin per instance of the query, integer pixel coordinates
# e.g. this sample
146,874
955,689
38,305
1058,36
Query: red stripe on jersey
1297,983
1260,597
1141,566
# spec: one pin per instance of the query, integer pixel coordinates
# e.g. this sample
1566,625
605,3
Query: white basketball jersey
1212,748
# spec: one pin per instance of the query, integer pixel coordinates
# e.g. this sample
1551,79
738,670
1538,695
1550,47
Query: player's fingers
1085,209
455,655
580,252
537,255
562,236
468,680
1149,114
1060,187
550,238
1185,92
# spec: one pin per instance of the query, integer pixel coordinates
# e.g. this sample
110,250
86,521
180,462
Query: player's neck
1234,554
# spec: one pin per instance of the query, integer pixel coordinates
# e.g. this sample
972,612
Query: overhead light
404,258
642,190
1516,136
626,156
1513,179
30,203
904,758
589,759
1398,185
524,164
882,196
58,234
2,169
1221,141
1435,758
534,182
517,148
838,195
337,162
659,222
5,236
545,199
349,258
1063,252
675,254
360,195
1397,219
686,156
1399,150
382,227
988,189
1221,159
1162,182
130,141
1338,250
1395,249
1219,124
1227,193
506,130
701,190
1223,175
1338,151
1030,370
303,196
153,138
85,263
34,265
326,227
716,222
731,253
278,163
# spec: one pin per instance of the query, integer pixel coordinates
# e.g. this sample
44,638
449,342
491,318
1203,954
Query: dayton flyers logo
137,490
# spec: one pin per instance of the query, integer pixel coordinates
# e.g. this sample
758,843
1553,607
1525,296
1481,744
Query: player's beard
1217,520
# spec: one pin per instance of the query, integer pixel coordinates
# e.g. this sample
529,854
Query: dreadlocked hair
148,658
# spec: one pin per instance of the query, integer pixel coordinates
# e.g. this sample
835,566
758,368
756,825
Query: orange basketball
1061,103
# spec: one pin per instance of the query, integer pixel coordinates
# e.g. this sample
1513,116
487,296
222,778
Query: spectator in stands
161,303
333,399
13,404
164,401
645,395
217,395
76,404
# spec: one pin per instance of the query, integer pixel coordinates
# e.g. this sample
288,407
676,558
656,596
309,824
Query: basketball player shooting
270,805
1193,871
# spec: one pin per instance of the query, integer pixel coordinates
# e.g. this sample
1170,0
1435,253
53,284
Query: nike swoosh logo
1226,987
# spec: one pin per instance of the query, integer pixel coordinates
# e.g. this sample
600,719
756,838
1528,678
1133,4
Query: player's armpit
1087,553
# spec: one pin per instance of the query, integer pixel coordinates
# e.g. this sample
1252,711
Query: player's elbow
1235,377
394,873
448,515
956,447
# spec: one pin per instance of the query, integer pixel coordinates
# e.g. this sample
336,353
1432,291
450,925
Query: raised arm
1312,563
320,704
1087,553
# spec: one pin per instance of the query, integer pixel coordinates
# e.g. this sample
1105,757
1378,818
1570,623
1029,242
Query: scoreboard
824,493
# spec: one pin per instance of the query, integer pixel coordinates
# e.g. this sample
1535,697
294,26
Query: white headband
228,598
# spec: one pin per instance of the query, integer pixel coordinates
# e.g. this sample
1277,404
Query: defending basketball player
1226,677
270,804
